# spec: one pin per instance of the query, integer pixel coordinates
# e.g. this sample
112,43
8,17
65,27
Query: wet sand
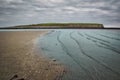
18,57
87,54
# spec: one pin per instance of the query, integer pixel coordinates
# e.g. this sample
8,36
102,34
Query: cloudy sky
17,12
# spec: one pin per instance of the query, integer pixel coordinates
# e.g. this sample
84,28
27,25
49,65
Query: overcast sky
17,12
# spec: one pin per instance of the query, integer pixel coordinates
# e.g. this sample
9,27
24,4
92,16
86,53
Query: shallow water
8,30
87,54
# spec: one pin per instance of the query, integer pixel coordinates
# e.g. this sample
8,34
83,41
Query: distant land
59,26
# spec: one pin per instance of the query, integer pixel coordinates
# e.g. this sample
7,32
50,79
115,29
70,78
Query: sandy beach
18,57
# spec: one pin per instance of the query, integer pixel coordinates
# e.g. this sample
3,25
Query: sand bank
17,56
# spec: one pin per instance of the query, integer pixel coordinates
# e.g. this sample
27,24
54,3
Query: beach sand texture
18,57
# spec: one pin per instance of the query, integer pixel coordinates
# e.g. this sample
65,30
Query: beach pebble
46,69
54,60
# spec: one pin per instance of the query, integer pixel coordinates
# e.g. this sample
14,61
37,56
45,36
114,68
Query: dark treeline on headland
59,26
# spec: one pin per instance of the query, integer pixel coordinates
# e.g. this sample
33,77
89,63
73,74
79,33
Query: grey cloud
37,11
